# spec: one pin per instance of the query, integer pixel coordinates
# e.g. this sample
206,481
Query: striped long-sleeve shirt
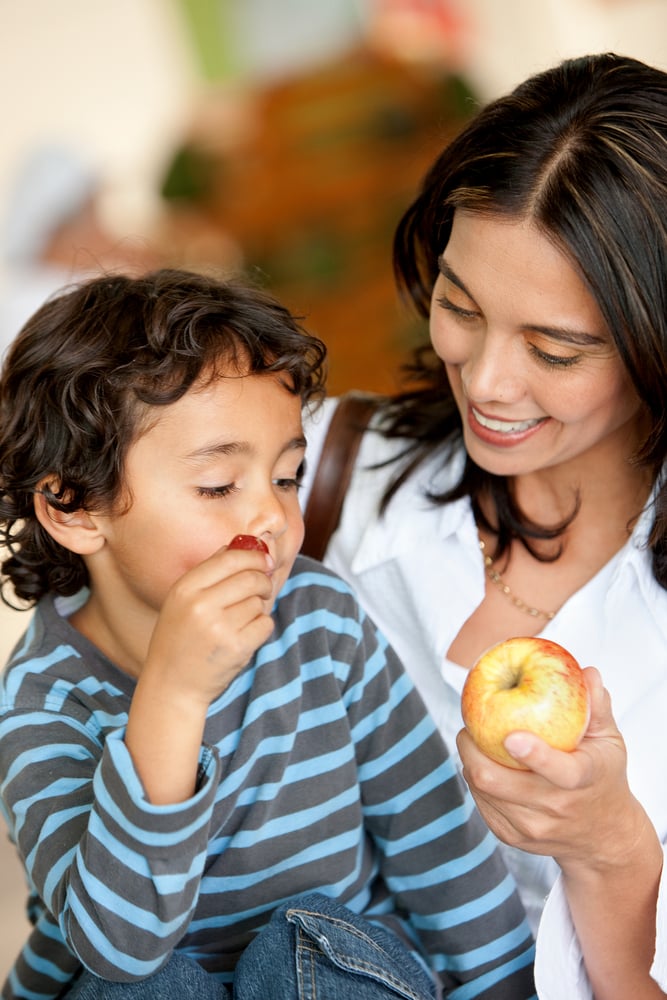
320,770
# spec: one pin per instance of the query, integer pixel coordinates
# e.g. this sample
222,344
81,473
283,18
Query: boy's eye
293,482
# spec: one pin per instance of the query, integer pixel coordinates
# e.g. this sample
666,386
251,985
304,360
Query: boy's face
223,460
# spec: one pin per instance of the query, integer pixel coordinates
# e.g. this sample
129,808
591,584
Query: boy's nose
269,517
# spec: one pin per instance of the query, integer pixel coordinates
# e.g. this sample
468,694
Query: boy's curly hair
78,379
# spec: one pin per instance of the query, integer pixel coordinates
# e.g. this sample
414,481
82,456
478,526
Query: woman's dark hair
79,378
580,150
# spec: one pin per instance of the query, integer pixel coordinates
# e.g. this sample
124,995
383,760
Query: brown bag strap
334,470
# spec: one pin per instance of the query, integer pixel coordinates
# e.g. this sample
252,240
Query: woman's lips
505,433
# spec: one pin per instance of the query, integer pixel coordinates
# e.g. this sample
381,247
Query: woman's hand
568,805
578,808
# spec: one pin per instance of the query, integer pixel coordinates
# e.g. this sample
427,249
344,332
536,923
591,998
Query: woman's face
530,360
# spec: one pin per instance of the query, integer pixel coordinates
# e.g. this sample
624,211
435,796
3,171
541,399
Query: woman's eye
554,360
215,492
465,314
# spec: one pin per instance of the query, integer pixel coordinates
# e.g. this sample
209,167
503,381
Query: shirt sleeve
560,973
119,875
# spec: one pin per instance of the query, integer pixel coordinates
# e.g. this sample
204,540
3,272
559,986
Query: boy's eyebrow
568,335
217,448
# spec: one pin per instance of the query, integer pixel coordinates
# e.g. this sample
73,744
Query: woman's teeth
504,426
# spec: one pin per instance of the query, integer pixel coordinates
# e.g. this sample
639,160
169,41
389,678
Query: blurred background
280,138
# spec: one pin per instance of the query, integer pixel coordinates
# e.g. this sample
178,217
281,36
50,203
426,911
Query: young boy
216,772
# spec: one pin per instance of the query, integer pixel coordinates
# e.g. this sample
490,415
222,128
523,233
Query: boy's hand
212,621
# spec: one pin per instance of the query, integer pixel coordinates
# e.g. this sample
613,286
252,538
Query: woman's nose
491,373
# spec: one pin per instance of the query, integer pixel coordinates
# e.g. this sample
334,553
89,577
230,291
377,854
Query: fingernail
518,745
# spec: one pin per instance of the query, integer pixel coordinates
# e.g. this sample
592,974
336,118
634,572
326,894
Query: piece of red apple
248,542
525,683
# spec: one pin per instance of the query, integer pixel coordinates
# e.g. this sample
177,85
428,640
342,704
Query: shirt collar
411,521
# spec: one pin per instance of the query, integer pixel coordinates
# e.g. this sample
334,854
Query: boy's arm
113,824
439,860
210,625
120,876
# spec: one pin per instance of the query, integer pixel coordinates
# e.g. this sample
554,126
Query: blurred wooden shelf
313,193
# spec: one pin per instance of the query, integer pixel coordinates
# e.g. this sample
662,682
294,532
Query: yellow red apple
248,542
525,683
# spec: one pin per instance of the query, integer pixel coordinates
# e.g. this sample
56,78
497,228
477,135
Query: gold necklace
496,578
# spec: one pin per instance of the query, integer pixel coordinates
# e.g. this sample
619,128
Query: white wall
119,78
113,79
519,37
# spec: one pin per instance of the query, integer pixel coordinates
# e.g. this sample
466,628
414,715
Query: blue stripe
103,895
39,754
397,752
44,966
312,578
129,965
474,908
19,990
468,991
57,871
314,853
396,804
468,961
39,665
452,868
299,820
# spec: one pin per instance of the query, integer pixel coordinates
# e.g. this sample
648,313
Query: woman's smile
531,364
504,432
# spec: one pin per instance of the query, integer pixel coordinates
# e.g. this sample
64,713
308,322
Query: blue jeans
180,978
312,948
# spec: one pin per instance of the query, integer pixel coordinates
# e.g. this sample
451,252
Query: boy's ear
77,531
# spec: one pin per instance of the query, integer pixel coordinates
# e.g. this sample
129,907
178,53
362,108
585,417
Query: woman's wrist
630,843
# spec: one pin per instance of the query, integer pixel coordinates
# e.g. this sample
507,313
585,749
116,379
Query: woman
516,487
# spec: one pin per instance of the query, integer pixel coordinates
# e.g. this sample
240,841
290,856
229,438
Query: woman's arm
578,808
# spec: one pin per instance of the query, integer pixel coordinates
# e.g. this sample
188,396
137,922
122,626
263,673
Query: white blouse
420,574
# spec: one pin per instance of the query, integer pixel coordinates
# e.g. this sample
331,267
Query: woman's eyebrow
568,335
447,272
